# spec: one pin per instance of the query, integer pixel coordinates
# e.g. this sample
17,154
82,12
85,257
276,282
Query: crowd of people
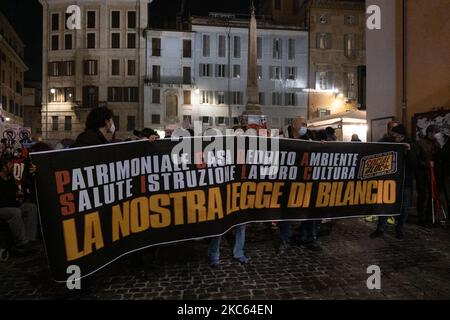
427,162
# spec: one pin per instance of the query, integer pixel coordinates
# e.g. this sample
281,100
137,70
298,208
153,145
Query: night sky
26,18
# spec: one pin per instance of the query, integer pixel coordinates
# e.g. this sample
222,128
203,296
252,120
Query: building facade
337,57
407,62
99,64
32,98
286,12
12,69
201,74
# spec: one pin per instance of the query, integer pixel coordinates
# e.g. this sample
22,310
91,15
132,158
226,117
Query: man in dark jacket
308,229
398,134
428,152
388,136
98,124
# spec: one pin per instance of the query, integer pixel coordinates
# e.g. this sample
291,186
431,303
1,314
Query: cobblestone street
417,267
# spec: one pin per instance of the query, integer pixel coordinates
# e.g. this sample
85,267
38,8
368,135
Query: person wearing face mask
98,124
388,137
308,229
398,134
331,134
428,152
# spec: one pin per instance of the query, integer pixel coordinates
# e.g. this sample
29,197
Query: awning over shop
346,124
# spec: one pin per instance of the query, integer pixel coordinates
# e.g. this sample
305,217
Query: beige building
336,50
286,12
32,98
100,64
407,62
337,57
12,69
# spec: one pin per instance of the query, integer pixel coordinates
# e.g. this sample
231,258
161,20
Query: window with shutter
131,41
91,19
259,45
115,19
55,42
206,48
68,42
237,47
131,19
221,49
187,97
55,22
277,44
187,48
291,51
156,96
156,47
115,40
186,75
236,71
90,41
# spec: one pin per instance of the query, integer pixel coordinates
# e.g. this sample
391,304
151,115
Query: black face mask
390,138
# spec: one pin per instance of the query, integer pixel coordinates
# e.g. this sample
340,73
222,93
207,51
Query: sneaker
391,221
242,260
22,250
214,264
371,218
282,247
399,235
4,254
376,234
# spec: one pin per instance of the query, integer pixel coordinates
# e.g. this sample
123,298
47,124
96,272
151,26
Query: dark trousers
308,231
423,197
401,220
447,194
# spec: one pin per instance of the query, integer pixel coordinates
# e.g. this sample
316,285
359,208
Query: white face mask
440,139
112,129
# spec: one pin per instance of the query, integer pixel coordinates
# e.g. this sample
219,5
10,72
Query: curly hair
97,118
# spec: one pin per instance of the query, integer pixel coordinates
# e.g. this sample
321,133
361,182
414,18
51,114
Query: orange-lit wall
336,104
428,56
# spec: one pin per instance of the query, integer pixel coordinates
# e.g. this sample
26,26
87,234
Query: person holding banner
99,123
428,151
398,133
21,217
238,249
308,229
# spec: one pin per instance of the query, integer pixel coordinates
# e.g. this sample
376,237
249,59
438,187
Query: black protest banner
99,203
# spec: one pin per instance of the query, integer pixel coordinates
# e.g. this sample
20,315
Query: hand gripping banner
97,204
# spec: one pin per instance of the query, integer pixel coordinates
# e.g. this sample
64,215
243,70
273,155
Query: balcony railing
168,80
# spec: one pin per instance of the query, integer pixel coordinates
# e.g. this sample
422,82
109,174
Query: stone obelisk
252,107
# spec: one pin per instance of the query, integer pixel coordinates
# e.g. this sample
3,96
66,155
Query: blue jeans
401,220
308,231
238,250
285,230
